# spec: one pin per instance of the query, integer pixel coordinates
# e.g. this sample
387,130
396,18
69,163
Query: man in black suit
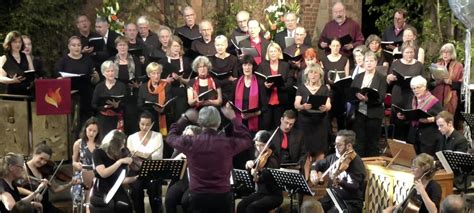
291,22
205,45
190,30
288,141
256,41
109,36
395,32
147,37
296,49
83,25
452,139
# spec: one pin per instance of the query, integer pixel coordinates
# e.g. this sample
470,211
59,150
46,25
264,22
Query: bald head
339,12
300,34
453,204
242,20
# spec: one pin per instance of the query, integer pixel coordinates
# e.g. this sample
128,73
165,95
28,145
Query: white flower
272,8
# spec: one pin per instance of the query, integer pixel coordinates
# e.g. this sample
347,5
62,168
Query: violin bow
28,178
143,139
52,177
266,146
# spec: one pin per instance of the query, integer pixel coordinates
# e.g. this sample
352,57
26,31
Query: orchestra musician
146,144
82,153
209,156
268,195
428,191
110,160
345,177
12,168
178,191
14,64
39,167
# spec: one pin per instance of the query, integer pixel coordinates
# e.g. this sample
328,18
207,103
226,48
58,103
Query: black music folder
291,57
137,52
346,39
402,79
277,79
316,101
412,114
385,44
97,42
150,103
248,51
221,75
187,39
391,55
371,93
116,98
208,95
239,110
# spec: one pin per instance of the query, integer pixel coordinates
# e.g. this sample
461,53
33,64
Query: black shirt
200,47
104,184
14,192
12,68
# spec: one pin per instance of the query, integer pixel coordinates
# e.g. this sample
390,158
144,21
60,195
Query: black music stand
162,169
340,205
457,161
243,184
469,118
291,182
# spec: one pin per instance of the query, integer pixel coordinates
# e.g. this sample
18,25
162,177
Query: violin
263,157
342,165
138,160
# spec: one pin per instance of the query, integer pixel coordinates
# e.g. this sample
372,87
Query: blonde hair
153,66
10,159
448,47
316,68
426,163
277,47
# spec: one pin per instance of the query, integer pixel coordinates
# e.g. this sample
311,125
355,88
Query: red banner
53,96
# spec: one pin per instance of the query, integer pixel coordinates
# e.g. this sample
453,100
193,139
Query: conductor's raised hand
228,112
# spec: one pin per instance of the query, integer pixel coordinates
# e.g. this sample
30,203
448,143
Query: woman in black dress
110,161
12,168
37,61
401,91
336,66
277,95
177,72
225,64
14,64
313,121
108,99
268,195
36,169
77,63
369,110
130,74
203,83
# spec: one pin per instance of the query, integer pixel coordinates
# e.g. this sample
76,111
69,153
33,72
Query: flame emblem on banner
53,97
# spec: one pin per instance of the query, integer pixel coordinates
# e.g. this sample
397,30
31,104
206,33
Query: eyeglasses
417,87
19,166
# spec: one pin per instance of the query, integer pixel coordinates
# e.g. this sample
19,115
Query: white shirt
155,143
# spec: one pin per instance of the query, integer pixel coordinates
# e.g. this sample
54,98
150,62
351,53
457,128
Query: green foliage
225,21
49,23
274,15
110,10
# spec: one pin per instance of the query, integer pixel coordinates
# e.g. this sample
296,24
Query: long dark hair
90,121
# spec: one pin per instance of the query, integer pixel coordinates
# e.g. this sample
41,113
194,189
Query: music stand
457,161
340,205
291,182
242,182
162,169
469,118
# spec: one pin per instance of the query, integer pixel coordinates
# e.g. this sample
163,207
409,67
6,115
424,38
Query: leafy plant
274,16
110,10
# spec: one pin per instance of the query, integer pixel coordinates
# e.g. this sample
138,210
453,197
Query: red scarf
273,100
253,100
426,102
210,85
112,113
161,96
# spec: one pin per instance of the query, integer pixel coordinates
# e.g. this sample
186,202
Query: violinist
40,167
346,177
11,170
110,159
82,153
268,195
146,144
428,191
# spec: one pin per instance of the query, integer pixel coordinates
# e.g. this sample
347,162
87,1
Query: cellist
146,144
268,195
346,176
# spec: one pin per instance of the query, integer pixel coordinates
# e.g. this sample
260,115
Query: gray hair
109,64
262,136
453,204
201,60
361,48
418,81
143,20
209,117
370,54
10,159
243,13
163,27
100,19
448,47
205,22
